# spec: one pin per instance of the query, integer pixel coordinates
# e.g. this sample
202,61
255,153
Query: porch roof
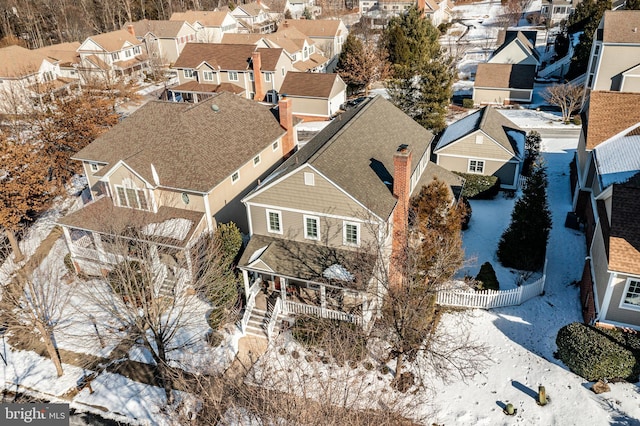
170,226
197,87
307,261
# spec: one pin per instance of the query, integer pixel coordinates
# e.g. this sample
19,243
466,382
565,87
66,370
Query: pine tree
523,244
361,64
587,16
632,5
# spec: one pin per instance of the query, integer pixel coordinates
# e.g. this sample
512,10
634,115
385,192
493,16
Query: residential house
209,25
503,84
206,68
298,7
517,48
112,56
437,11
66,54
254,17
164,40
314,96
485,143
300,49
328,34
556,11
614,63
29,77
314,219
175,182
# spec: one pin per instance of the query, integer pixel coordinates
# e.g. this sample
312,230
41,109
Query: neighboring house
297,8
29,77
209,25
254,18
503,84
67,56
314,219
164,40
328,34
206,68
484,142
556,11
517,48
615,53
437,11
177,183
314,96
112,56
300,49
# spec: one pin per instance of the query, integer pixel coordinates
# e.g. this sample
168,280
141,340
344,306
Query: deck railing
251,302
301,308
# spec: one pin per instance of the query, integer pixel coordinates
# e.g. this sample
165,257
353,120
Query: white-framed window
274,221
311,227
309,179
267,77
207,75
188,73
250,75
115,56
235,176
305,53
132,197
275,146
631,295
127,53
233,76
256,160
351,234
94,167
283,71
137,50
476,166
479,139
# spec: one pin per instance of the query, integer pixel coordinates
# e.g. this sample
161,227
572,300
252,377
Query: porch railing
301,308
277,309
251,302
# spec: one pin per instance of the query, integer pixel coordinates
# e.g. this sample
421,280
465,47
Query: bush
467,103
596,354
444,27
479,187
576,120
486,278
342,340
68,263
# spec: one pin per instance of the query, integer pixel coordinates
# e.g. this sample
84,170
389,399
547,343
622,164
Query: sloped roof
313,27
491,122
621,26
502,76
226,56
65,53
506,36
197,87
355,151
115,40
523,37
315,60
624,240
314,85
17,61
162,29
195,148
617,159
609,113
205,17
253,9
290,39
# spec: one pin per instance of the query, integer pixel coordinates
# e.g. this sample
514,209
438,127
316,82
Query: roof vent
215,108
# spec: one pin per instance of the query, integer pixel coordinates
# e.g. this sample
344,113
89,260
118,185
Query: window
275,146
476,166
235,176
256,160
188,73
267,77
207,75
233,76
115,56
311,227
185,198
309,179
631,295
136,50
127,53
132,197
250,75
479,139
283,71
274,221
94,167
305,53
351,234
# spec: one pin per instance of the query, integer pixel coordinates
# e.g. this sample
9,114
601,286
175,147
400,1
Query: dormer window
267,77
115,56
305,53
127,53
94,167
188,73
233,76
137,50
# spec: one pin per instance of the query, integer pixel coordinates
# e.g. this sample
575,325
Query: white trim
309,179
477,166
606,301
207,212
248,209
623,304
620,324
126,196
304,227
279,213
311,213
344,233
501,160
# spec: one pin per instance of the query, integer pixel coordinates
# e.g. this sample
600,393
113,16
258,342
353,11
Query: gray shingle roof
502,76
315,85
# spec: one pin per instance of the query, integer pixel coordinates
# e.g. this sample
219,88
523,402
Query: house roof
618,158
290,39
313,85
17,61
609,113
491,122
197,87
253,9
355,151
65,53
621,26
624,240
314,27
196,147
114,40
226,56
502,76
104,217
434,171
507,36
315,60
205,17
162,29
524,40
307,261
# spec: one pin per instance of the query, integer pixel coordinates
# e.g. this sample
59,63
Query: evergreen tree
587,16
632,5
523,244
360,64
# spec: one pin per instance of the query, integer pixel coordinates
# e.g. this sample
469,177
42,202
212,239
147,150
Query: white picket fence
488,299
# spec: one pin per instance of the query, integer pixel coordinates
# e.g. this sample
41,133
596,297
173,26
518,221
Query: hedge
479,187
597,354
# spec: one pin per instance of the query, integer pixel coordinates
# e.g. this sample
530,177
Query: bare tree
565,96
362,63
514,10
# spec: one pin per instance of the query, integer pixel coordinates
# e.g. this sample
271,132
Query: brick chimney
256,60
402,191
131,30
422,6
285,110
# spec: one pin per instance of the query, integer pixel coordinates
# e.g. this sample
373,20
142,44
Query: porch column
323,299
283,291
245,278
102,254
67,239
195,98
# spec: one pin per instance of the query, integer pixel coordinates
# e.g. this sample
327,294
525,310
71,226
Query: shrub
68,263
467,103
479,187
576,120
342,340
486,278
596,354
466,216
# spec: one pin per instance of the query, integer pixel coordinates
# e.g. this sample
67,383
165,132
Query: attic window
479,139
94,167
309,179
256,160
